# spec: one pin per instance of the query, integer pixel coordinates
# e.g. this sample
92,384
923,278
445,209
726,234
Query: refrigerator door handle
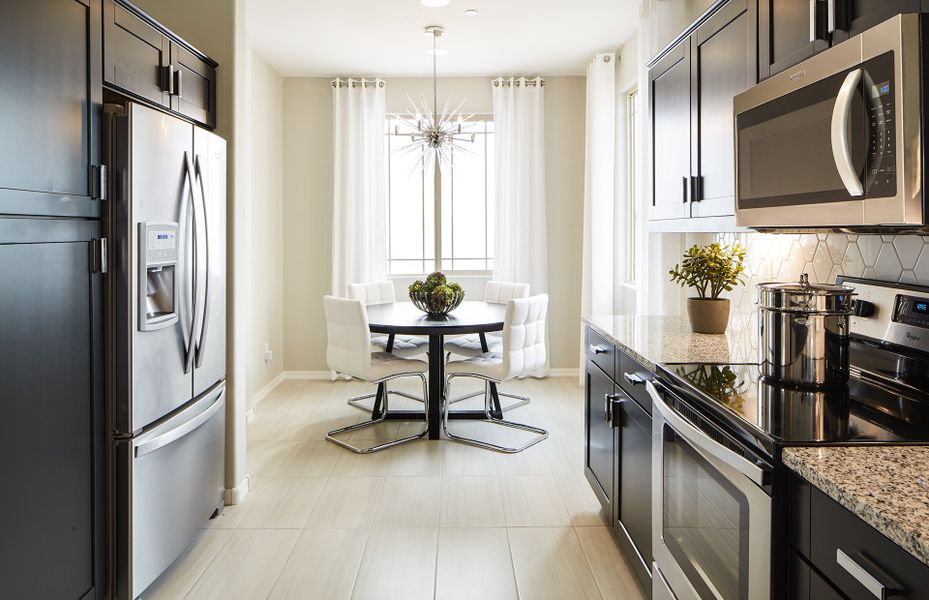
200,346
191,343
149,446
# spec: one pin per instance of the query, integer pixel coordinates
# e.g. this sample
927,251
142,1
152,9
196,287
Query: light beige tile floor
430,519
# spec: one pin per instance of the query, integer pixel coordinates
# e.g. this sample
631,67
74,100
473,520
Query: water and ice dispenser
158,275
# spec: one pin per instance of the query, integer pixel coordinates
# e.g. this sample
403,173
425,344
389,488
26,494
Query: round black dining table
402,318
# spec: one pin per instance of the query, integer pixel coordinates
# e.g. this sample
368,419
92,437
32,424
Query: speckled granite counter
886,486
655,340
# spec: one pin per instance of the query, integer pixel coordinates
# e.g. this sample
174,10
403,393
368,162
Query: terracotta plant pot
708,315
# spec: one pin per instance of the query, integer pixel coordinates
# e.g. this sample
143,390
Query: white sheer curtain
521,236
359,214
599,191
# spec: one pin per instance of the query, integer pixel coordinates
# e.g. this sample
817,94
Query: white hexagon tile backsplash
782,257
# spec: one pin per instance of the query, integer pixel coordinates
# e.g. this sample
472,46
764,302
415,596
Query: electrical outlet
268,353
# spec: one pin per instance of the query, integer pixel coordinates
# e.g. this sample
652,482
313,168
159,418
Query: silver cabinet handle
841,151
633,378
702,441
861,575
598,349
830,18
813,20
183,429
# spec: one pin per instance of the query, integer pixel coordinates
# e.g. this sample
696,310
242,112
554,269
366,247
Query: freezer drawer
169,482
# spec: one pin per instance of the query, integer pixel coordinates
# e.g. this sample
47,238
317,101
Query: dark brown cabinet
723,66
51,434
691,89
635,481
600,451
619,447
669,82
841,556
149,63
790,31
50,69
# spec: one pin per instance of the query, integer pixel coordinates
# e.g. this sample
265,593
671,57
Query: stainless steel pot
804,332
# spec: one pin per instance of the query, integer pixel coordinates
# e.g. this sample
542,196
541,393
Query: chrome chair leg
541,433
356,400
522,400
376,448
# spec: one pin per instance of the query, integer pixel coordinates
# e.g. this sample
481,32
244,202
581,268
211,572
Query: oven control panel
890,313
912,310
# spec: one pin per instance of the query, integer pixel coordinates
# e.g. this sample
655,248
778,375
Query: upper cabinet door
723,66
50,73
137,56
669,82
851,17
194,85
789,31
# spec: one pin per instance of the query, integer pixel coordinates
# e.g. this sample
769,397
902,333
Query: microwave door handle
841,144
702,441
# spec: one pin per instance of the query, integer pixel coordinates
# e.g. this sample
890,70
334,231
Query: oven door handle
702,441
841,144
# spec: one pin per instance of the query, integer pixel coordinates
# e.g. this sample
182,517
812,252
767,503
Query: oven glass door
705,522
792,150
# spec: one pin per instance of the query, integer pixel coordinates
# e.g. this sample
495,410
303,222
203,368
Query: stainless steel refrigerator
167,225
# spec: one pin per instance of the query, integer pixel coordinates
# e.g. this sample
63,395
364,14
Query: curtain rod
518,81
356,82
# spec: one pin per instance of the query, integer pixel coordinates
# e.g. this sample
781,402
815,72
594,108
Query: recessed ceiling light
437,52
435,3
471,12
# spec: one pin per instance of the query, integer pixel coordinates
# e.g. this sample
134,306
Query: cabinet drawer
857,558
601,352
631,376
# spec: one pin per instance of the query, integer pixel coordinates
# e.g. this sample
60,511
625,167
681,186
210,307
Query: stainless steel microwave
836,142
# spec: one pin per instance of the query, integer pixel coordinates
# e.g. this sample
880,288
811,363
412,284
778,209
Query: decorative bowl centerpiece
436,296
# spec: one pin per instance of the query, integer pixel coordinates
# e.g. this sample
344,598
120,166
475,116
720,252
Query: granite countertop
653,340
886,486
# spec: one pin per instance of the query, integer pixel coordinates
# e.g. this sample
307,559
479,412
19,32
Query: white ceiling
384,37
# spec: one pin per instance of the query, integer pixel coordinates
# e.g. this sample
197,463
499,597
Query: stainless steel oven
712,514
836,142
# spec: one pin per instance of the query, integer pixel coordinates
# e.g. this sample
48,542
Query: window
452,230
632,118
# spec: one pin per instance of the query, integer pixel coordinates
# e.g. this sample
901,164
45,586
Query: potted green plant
710,270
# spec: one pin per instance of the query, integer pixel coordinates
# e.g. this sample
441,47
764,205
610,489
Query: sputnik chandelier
435,135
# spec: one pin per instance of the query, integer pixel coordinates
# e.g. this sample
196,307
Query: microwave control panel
881,178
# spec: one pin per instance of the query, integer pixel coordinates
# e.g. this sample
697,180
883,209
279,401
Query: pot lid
806,288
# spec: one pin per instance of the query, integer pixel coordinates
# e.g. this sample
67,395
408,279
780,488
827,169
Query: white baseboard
308,375
263,393
238,493
563,372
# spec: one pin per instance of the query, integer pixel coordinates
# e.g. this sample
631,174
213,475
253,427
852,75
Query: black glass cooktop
871,409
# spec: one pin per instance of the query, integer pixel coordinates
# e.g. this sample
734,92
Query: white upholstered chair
349,351
404,346
497,292
471,345
522,352
382,292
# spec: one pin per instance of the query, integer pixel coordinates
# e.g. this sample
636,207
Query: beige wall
308,195
266,196
308,165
